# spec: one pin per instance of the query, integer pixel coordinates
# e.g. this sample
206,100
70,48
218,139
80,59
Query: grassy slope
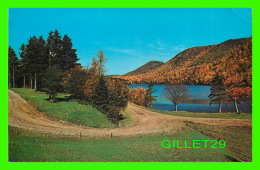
67,110
134,149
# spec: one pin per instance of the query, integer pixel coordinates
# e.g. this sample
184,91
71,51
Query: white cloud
178,48
122,51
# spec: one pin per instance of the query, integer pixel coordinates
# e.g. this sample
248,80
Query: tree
34,60
118,99
12,66
75,81
238,95
53,81
101,62
68,54
138,96
54,47
101,95
24,63
176,93
218,92
150,99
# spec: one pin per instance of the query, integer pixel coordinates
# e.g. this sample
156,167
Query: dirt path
23,115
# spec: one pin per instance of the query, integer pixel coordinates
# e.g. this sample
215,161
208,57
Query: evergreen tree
118,99
53,81
60,51
150,99
218,94
101,95
75,81
24,64
12,67
34,59
69,56
54,47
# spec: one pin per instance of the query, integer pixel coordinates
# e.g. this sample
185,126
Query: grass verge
24,148
205,115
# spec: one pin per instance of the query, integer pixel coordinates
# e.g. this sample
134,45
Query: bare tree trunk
35,82
23,81
13,79
176,107
31,83
220,108
235,103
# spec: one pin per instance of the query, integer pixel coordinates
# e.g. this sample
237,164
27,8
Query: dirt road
23,115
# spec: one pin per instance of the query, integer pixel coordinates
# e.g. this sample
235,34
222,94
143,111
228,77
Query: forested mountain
151,65
231,59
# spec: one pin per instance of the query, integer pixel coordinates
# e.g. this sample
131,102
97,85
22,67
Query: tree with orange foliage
138,96
238,95
75,81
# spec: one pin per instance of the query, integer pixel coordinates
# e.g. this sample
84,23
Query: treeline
51,66
37,56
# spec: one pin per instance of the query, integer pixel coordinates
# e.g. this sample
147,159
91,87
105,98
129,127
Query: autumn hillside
197,65
151,65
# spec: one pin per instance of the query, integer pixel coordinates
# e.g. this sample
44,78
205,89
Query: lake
198,102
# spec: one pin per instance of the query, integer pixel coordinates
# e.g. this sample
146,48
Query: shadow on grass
61,99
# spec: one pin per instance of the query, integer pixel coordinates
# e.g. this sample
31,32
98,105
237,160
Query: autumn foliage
232,59
138,96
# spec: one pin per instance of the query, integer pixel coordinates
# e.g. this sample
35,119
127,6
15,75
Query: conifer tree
54,47
12,67
53,81
68,54
218,93
101,95
150,99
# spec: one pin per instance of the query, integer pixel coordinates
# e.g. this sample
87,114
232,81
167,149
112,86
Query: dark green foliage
54,46
110,96
218,92
101,95
53,81
151,65
75,81
69,57
150,99
118,99
36,62
12,67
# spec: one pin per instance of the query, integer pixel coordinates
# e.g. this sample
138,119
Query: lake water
198,102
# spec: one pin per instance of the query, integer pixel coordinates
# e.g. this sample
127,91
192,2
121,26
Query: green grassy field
206,115
27,147
64,109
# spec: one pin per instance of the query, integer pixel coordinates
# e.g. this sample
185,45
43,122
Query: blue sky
130,37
